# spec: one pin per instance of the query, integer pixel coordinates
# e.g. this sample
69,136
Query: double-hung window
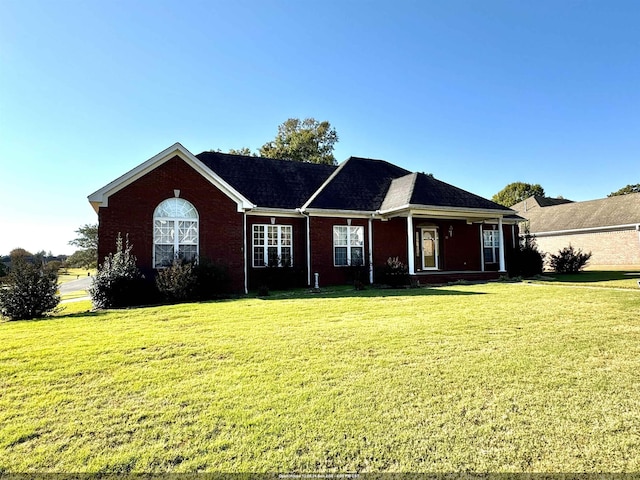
348,245
272,245
175,232
491,246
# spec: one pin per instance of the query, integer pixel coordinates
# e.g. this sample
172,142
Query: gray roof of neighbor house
268,182
605,212
360,184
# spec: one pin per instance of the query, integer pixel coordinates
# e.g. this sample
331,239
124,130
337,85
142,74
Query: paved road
82,283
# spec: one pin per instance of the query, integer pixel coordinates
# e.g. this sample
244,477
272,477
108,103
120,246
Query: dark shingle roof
268,182
359,184
421,189
605,212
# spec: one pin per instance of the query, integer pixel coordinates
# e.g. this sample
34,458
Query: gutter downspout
371,249
306,214
244,240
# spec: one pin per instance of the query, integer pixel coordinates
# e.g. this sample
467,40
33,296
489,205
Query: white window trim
176,236
266,245
348,245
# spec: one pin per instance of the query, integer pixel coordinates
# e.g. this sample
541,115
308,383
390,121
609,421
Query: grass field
482,378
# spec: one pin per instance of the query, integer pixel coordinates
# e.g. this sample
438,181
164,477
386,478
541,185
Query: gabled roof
100,198
419,189
269,182
622,210
358,184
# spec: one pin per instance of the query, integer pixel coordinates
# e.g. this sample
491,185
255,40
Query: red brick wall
299,231
130,211
322,249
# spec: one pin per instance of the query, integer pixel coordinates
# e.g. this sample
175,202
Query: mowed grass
482,378
606,278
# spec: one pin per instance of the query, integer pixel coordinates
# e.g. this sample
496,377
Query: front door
429,248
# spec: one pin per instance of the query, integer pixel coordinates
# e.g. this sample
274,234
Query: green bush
395,273
525,261
569,260
118,282
29,291
212,280
177,282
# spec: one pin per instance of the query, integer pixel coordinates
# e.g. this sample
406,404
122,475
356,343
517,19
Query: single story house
250,213
609,227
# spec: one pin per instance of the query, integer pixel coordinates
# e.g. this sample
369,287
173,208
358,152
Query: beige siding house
607,227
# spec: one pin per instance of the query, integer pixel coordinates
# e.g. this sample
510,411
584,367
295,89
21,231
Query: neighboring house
609,228
250,212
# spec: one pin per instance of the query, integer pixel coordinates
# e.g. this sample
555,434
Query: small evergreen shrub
118,282
29,291
177,282
212,280
569,260
395,273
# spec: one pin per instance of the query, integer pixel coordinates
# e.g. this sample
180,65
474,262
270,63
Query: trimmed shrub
569,260
29,291
118,282
177,282
395,273
212,280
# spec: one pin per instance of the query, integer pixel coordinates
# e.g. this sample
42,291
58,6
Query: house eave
274,212
608,228
474,214
100,198
322,212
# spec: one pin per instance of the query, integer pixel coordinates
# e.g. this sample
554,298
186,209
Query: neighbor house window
348,245
175,232
491,246
272,245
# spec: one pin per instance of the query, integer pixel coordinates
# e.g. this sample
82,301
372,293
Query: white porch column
410,247
308,251
501,246
370,250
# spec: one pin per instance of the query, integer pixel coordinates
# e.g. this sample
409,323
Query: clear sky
479,93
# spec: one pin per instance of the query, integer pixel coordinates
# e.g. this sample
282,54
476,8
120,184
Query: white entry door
430,249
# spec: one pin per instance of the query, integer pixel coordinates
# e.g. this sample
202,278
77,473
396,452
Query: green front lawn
608,279
484,378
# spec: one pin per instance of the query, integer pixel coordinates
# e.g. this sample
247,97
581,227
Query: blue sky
479,93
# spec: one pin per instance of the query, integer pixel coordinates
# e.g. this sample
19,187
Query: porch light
450,230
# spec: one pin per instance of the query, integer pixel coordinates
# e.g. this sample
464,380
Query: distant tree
626,190
242,151
303,140
29,291
19,253
516,192
87,240
3,269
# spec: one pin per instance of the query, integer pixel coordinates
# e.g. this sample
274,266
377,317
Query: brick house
250,212
609,228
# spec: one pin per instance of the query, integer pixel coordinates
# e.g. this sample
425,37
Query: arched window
175,232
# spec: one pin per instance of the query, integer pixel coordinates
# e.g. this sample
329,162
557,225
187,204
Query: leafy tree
3,269
516,192
29,291
87,241
626,190
304,141
242,151
19,254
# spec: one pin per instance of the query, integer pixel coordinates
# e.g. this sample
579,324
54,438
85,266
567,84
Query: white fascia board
445,212
321,212
326,182
100,198
275,212
629,226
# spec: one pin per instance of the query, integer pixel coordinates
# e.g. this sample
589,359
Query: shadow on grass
589,276
369,292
